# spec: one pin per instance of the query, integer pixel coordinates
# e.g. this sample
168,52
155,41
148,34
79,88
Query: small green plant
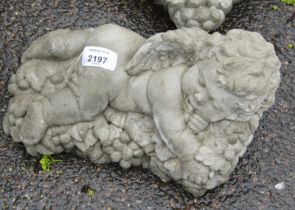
289,2
90,192
46,161
275,7
290,46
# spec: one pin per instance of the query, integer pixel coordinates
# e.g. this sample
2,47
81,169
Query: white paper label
99,57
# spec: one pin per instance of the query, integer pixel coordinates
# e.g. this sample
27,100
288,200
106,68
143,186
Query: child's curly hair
250,68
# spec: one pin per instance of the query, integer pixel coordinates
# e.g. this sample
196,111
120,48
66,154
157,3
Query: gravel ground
270,159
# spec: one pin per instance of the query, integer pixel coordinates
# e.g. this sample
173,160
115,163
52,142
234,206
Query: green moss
289,2
47,161
275,7
90,192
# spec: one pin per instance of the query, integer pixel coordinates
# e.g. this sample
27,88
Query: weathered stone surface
193,98
207,14
267,162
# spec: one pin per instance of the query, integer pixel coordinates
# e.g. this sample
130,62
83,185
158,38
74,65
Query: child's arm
61,44
171,126
165,97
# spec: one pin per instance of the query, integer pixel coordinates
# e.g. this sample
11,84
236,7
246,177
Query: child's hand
196,123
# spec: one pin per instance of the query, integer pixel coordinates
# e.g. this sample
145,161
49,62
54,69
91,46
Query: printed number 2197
97,59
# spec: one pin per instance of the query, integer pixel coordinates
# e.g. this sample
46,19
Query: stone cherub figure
183,103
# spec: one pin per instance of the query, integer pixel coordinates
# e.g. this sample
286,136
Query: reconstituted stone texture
207,14
268,161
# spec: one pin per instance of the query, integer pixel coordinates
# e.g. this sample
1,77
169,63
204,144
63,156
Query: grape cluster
206,14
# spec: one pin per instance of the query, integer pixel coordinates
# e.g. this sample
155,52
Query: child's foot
24,120
33,127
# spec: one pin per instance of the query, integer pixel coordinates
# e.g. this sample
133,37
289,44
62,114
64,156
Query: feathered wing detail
166,50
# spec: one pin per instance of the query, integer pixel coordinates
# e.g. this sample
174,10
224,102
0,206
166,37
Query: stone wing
166,50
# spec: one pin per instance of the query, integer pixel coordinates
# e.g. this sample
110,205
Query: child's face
210,101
